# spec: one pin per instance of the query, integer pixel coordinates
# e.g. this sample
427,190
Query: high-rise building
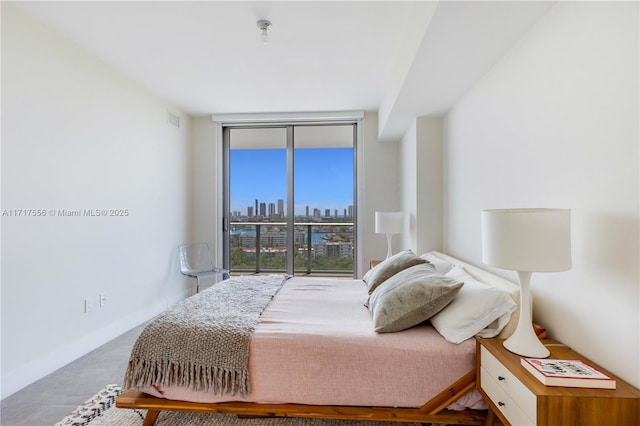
263,209
250,211
272,210
280,208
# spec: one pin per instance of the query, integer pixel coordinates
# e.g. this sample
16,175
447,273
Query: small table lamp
527,240
389,223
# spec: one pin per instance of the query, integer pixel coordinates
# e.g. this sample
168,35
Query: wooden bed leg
450,394
492,419
150,418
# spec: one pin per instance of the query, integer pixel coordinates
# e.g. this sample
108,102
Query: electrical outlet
88,305
103,299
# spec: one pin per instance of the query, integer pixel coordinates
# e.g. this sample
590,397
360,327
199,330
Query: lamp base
389,252
524,341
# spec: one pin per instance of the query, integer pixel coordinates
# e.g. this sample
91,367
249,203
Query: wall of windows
290,199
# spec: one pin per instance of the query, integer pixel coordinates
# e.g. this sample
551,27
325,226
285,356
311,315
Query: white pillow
477,310
442,266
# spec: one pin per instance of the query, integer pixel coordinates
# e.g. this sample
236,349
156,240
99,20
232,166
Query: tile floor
53,397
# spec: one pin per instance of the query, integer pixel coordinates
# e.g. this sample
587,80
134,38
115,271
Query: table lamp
527,241
389,223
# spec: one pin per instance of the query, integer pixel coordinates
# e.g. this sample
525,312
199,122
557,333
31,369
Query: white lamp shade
389,222
531,240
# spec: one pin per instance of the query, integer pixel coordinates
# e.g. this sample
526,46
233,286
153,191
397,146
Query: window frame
227,122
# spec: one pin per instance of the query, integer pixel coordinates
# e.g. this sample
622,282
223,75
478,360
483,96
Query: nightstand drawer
503,402
508,385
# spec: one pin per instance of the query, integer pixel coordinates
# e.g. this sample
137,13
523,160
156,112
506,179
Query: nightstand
518,399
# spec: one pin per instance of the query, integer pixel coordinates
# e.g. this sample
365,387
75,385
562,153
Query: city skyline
276,209
323,179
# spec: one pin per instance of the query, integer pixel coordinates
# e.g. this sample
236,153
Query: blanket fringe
210,379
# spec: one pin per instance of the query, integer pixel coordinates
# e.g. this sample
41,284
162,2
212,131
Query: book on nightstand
570,373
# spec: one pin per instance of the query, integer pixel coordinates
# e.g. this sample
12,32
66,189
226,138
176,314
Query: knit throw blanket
202,343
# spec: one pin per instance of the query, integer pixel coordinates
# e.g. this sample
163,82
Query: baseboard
19,378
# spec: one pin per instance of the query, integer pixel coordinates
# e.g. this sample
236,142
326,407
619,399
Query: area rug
100,410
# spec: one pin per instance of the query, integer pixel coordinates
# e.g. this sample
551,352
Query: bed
315,351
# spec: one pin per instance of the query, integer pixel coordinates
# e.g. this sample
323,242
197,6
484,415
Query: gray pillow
388,268
410,297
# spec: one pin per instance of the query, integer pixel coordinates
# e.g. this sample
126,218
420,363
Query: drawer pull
500,378
500,403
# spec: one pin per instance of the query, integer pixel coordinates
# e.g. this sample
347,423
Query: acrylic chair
196,262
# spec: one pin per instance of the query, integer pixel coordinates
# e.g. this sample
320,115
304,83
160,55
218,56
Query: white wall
378,190
421,185
555,124
408,190
205,174
76,134
430,191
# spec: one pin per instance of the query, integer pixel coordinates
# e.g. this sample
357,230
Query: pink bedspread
315,344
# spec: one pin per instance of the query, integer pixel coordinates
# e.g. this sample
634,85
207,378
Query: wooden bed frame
432,412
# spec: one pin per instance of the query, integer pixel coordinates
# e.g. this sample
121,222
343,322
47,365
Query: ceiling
402,59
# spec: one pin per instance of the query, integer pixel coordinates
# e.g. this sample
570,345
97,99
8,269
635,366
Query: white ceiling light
264,26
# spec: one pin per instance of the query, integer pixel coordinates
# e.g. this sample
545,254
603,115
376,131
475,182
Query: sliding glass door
257,181
289,199
324,199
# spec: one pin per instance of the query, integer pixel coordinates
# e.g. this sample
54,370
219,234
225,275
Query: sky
323,178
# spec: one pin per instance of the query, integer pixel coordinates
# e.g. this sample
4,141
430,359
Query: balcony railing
322,248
